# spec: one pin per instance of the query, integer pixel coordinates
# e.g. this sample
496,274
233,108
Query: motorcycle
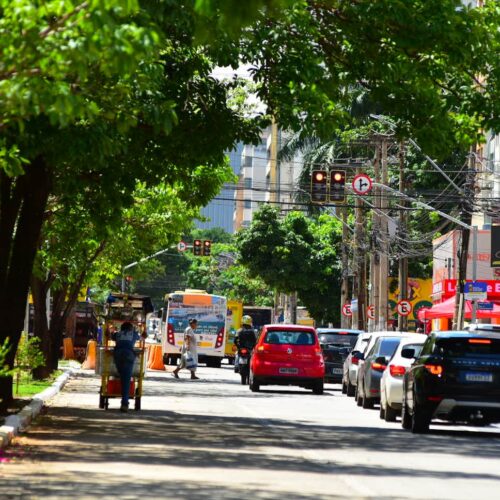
244,364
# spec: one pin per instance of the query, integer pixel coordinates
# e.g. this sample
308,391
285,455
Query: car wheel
382,412
344,388
367,403
351,390
318,387
390,414
254,386
359,399
405,415
419,420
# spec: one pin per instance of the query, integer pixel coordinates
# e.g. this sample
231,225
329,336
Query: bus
210,311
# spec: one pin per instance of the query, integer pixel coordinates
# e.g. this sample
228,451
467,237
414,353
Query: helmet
246,320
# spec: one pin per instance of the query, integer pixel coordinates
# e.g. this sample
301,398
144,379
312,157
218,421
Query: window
388,346
248,204
247,163
248,183
295,337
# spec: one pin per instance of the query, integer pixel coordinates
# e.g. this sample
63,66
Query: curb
18,422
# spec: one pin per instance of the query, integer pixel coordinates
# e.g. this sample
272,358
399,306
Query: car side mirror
408,352
381,360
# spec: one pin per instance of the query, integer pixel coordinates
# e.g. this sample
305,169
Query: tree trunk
39,289
22,205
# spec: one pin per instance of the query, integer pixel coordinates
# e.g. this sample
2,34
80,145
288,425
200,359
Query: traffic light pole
132,264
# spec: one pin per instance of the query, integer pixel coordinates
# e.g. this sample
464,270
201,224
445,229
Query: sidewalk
14,424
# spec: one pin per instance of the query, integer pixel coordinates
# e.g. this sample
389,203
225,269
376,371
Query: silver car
350,368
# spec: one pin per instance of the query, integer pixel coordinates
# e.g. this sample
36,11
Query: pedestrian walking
189,354
124,357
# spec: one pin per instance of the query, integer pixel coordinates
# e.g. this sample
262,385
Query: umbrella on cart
446,309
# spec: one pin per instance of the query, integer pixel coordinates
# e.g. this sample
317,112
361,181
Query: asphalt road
214,439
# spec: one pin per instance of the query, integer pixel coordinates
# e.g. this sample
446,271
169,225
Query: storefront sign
448,288
495,245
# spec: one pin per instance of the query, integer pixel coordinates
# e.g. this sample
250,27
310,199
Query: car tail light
434,369
397,370
220,339
479,341
355,360
244,352
170,334
435,398
318,351
379,367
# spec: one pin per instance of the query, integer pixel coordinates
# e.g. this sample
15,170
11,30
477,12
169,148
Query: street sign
346,310
404,307
370,312
475,290
354,305
181,246
362,184
485,306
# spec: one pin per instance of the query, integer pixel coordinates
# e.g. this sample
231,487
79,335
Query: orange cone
155,358
89,363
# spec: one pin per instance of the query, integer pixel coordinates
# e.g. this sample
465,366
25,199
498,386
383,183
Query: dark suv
336,344
456,377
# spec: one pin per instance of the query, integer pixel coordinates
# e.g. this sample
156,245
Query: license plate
479,377
291,371
243,361
337,371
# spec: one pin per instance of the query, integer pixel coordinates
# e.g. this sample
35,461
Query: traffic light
319,180
337,186
197,247
207,247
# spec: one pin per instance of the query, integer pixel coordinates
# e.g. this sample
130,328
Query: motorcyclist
245,336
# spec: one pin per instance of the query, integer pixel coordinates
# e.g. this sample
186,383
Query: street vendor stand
122,308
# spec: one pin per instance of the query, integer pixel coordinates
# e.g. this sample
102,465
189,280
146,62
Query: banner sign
495,245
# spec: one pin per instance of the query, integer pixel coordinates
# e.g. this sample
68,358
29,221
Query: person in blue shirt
124,357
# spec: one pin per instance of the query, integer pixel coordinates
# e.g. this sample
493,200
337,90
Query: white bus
210,311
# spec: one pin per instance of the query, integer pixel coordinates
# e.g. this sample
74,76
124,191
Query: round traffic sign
404,307
346,310
181,246
362,184
370,312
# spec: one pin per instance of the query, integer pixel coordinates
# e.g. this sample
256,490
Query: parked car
287,355
391,383
379,350
455,377
350,367
336,344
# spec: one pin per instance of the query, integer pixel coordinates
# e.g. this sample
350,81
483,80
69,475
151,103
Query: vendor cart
120,308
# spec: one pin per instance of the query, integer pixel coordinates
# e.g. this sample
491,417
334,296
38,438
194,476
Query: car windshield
388,346
294,337
465,347
345,339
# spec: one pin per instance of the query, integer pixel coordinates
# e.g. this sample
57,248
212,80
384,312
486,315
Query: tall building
251,190
220,211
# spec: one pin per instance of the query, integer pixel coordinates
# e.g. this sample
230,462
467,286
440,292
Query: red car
287,355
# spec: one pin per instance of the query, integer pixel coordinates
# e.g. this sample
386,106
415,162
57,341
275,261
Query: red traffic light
337,186
197,247
319,181
207,247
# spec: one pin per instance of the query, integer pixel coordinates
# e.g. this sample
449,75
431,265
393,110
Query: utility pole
384,234
359,287
403,261
467,208
344,287
375,254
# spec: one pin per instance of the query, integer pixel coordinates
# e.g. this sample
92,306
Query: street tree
296,254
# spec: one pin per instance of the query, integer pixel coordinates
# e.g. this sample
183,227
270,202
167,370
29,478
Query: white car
350,368
391,383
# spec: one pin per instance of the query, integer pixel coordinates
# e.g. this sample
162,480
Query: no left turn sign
362,184
404,308
346,310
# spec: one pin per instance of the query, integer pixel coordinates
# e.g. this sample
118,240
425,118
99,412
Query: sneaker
174,374
195,378
124,408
